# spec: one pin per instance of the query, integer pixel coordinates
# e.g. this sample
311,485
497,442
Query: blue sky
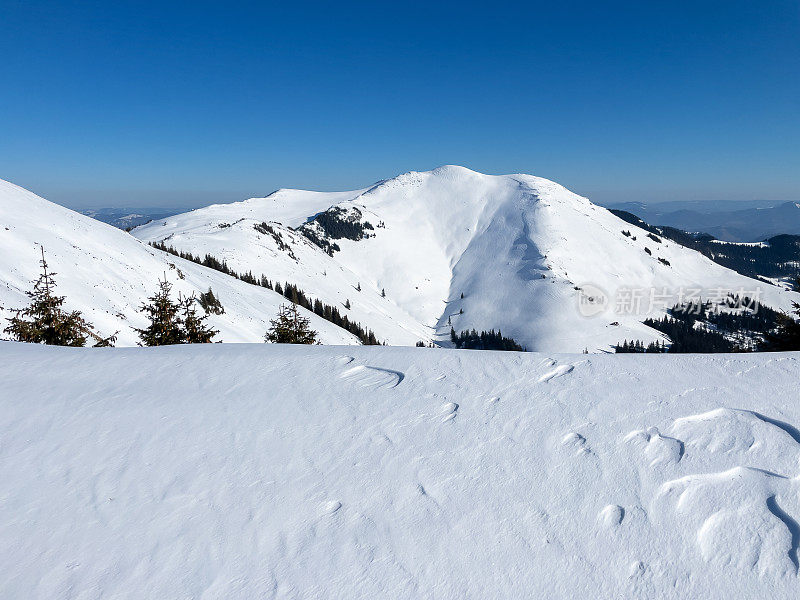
113,103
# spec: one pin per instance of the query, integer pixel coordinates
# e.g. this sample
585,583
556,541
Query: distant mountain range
726,220
127,218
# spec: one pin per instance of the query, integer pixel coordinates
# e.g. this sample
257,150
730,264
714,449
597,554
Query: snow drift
243,471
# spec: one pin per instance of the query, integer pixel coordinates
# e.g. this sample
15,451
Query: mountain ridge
517,246
107,274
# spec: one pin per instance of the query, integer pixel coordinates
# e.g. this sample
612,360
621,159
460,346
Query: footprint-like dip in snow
374,377
611,516
557,372
656,448
449,410
331,507
636,570
576,441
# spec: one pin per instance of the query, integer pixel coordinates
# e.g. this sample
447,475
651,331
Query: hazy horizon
154,199
186,104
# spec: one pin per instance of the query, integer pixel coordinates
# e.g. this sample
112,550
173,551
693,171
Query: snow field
240,471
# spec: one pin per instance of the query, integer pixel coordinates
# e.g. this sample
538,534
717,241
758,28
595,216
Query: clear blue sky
109,103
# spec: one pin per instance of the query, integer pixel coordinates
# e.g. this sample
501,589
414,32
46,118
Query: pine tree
347,304
289,327
358,286
44,321
195,331
787,336
211,303
166,326
383,292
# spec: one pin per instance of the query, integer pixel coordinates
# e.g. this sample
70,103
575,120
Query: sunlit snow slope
107,274
517,247
256,471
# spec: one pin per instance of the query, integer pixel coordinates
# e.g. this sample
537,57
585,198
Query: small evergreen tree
787,335
45,321
383,292
347,304
289,327
211,303
166,325
195,331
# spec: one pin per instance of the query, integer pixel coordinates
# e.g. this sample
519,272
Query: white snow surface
516,246
265,471
107,274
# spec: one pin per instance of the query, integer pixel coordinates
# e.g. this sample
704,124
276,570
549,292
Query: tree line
485,340
779,257
170,321
695,327
288,290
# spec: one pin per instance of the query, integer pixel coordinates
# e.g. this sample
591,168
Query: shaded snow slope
107,274
349,472
517,247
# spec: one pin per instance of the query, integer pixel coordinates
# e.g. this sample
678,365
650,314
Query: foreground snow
243,471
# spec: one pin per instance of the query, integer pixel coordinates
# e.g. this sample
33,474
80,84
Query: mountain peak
517,247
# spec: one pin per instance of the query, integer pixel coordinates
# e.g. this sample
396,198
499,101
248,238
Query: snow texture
265,471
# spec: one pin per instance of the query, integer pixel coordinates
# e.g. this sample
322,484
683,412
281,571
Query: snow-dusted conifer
195,330
289,327
166,326
45,321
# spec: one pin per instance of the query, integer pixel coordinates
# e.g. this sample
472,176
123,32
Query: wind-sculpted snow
243,471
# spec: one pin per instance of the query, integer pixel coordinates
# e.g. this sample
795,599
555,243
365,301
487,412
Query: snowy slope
107,274
517,247
228,471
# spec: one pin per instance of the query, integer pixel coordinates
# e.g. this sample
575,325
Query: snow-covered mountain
521,250
107,274
264,471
